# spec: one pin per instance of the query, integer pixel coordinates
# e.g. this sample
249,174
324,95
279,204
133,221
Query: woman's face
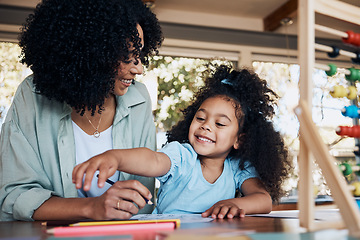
128,71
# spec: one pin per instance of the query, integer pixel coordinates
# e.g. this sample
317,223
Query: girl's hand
224,209
118,202
106,163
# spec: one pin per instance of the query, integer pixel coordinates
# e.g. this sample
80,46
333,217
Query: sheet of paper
184,218
321,214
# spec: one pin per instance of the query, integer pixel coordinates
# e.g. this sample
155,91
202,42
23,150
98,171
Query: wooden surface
254,227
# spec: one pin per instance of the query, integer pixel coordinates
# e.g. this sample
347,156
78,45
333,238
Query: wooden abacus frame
311,143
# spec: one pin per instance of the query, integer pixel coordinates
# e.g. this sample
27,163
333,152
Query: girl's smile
204,139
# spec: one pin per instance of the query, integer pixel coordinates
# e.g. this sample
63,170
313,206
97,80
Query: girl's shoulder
182,157
235,164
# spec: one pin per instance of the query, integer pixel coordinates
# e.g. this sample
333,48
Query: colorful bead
332,70
338,91
352,92
346,169
335,52
351,111
353,38
354,74
353,131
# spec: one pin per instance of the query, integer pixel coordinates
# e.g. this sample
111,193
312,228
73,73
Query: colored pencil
101,230
96,223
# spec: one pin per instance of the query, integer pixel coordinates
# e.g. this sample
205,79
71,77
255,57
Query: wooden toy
311,144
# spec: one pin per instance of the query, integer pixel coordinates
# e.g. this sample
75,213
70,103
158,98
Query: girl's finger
78,174
89,174
233,212
208,212
215,212
223,211
242,213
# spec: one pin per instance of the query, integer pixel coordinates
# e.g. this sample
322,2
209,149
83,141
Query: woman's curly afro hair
74,47
254,105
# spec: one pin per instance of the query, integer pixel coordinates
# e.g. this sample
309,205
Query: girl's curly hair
254,106
74,47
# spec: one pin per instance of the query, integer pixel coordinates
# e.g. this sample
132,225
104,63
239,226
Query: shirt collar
132,98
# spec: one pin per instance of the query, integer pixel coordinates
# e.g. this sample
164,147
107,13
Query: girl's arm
255,200
138,161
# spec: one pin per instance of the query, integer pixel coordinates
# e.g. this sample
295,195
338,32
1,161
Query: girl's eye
200,119
220,124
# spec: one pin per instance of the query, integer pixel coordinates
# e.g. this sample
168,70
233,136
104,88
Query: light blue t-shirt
185,190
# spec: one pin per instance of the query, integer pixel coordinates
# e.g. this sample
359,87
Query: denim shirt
37,147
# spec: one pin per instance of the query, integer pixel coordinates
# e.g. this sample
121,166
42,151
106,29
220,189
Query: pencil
112,183
102,230
96,223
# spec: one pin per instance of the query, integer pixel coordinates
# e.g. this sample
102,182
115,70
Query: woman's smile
127,82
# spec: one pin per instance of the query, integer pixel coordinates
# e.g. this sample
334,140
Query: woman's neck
88,123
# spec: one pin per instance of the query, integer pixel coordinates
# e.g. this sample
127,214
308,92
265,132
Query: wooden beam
287,10
336,182
340,10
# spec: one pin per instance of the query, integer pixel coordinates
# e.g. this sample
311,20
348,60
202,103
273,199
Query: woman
80,101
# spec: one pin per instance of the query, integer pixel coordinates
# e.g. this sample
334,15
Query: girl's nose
206,127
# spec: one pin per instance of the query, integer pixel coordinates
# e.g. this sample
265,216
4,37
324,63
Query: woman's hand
225,208
118,202
120,199
106,163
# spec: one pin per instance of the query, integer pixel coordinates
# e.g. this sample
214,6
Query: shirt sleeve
182,156
240,176
20,196
24,183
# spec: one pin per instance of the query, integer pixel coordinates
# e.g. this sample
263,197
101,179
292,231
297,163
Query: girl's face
128,71
214,130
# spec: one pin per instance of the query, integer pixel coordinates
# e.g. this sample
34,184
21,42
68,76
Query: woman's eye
135,61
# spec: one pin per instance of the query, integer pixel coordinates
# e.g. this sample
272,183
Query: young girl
224,143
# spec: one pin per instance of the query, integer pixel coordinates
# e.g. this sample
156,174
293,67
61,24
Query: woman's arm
138,161
255,200
116,203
